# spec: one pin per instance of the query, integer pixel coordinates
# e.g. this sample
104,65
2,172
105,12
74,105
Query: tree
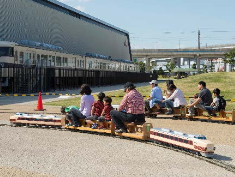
194,66
141,66
170,66
230,57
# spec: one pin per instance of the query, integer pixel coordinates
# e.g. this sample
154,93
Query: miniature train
196,144
181,113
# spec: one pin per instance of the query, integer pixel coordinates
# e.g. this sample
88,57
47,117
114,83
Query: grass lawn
223,80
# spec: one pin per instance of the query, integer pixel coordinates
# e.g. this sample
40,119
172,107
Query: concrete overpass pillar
147,66
198,64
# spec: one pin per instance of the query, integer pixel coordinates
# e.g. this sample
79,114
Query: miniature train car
221,116
37,119
193,143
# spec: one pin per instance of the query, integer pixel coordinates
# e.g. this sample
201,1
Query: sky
166,24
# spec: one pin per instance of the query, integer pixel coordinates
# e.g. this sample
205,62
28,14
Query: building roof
85,15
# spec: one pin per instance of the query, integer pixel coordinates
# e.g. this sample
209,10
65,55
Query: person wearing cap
155,96
131,108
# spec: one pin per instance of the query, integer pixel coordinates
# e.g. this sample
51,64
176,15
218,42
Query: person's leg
120,117
191,109
169,105
101,119
69,118
90,119
76,115
147,106
209,109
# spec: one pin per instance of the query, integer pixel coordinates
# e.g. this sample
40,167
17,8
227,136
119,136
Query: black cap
129,85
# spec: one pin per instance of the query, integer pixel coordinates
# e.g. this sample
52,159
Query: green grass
223,80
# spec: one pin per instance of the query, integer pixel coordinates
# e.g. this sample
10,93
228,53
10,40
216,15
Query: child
96,110
105,115
215,104
67,111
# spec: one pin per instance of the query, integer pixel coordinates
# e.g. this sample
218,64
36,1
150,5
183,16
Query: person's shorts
94,117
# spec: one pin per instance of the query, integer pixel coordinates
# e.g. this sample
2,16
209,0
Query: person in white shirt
178,97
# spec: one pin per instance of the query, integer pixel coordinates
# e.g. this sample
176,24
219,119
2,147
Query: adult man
204,99
131,108
155,96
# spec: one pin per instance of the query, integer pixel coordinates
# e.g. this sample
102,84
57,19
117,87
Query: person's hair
196,95
169,82
85,88
62,109
108,99
101,96
217,91
129,86
202,83
172,87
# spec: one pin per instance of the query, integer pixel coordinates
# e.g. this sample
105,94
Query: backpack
222,103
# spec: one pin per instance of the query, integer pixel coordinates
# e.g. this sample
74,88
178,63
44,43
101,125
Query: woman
178,97
85,106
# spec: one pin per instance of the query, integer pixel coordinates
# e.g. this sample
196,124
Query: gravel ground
64,153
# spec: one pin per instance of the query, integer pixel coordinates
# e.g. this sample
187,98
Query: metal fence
33,80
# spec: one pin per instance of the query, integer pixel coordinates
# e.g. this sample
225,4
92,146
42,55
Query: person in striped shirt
131,108
96,110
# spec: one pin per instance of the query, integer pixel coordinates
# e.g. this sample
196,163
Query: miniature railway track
216,162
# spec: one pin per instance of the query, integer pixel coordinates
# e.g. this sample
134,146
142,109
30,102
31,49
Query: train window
180,140
171,137
167,136
21,57
162,135
158,134
6,51
176,139
186,141
82,65
190,142
58,61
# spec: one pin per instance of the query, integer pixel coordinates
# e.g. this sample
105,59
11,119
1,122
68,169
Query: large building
52,22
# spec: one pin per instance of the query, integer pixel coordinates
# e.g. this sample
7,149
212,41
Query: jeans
169,104
191,110
210,109
157,101
76,115
120,117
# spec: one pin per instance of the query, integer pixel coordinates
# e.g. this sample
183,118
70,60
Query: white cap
153,82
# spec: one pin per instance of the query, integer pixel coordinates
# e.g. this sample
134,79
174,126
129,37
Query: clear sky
166,23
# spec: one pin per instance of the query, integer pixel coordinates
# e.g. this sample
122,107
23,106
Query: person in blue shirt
155,96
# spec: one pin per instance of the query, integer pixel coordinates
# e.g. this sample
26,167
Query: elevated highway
178,53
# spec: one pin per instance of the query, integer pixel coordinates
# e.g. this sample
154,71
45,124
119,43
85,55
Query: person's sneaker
169,112
190,114
120,131
213,115
68,125
159,112
76,125
101,127
94,126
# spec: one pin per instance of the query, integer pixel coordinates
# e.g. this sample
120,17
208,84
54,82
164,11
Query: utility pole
199,39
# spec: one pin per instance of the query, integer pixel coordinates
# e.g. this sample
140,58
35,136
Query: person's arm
123,103
82,104
103,112
92,110
173,95
195,102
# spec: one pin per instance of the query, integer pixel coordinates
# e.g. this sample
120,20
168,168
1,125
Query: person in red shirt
131,108
105,115
96,110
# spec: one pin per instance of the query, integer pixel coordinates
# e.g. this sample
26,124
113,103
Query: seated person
85,106
131,108
178,97
155,96
105,115
215,105
204,99
67,111
96,110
